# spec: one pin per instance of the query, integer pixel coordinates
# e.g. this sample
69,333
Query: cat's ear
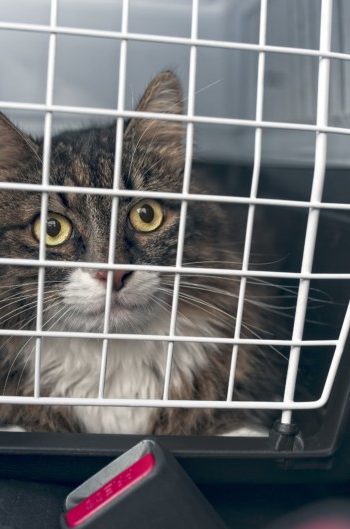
163,95
16,147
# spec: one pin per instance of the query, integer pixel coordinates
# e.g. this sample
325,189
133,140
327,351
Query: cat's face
78,226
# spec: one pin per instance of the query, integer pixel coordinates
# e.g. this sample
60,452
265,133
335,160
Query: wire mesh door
313,206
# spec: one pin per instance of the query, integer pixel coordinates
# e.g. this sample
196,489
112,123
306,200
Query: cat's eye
58,229
147,215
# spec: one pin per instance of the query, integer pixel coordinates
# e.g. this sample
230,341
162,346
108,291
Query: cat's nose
118,277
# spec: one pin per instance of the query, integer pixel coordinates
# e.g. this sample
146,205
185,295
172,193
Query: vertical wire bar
185,190
316,195
253,193
115,200
45,196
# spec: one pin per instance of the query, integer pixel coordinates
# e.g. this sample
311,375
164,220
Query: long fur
74,300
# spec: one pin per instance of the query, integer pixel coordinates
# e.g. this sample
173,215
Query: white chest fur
135,369
71,368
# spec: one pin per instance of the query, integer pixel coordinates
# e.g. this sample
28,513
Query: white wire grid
314,205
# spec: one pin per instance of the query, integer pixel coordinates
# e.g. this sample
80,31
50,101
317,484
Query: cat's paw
247,431
11,428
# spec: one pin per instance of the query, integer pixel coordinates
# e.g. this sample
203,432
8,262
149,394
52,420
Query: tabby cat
78,229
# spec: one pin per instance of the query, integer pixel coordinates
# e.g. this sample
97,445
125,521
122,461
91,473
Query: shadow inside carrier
277,245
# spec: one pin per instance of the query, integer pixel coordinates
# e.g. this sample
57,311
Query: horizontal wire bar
171,269
168,338
166,39
190,197
205,120
157,403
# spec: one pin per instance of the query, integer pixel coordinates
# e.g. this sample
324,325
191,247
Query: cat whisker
291,316
248,299
25,296
18,311
19,295
231,263
225,313
290,289
23,346
206,286
29,283
191,263
49,329
167,307
22,309
160,303
195,301
254,330
274,309
18,298
201,302
25,324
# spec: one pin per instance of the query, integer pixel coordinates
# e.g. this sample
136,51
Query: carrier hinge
286,437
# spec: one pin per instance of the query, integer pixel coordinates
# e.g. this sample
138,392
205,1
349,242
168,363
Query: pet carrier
266,99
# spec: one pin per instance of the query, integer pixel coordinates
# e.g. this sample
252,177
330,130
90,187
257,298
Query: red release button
98,499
